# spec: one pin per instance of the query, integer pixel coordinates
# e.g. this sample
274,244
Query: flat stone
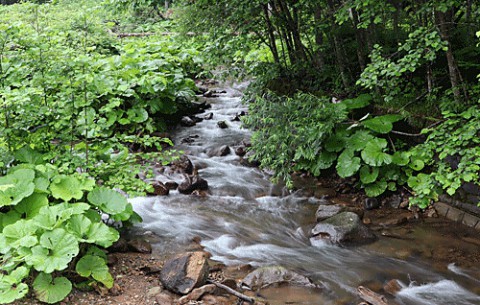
139,245
184,272
270,275
326,211
455,214
442,208
470,220
163,298
154,291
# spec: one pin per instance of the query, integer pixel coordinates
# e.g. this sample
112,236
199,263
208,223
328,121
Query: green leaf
11,286
382,124
30,206
347,164
368,174
56,249
335,143
102,235
19,234
27,155
373,153
15,186
108,200
376,189
51,290
360,101
416,165
359,140
95,267
66,188
401,158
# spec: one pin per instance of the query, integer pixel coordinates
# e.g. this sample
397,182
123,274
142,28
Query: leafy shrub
51,224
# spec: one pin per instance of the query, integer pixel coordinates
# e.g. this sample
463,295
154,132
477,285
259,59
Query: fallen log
372,297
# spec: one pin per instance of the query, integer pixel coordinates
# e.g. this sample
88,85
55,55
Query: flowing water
241,222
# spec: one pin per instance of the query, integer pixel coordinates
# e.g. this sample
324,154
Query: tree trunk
459,92
271,34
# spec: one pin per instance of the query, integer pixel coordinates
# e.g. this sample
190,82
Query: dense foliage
78,100
416,61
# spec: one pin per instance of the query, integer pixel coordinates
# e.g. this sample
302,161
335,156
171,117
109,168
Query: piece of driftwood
233,292
372,297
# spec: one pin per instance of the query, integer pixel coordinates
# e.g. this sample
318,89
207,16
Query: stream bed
245,219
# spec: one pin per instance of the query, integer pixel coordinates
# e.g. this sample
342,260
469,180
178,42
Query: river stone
266,276
183,165
187,122
221,151
139,245
240,151
222,124
192,183
159,189
327,211
171,185
343,228
208,116
184,272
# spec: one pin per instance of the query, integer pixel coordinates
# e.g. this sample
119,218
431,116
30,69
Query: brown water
242,222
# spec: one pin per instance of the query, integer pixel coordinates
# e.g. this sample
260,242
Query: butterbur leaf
19,234
359,140
335,143
376,189
401,158
373,153
382,124
417,165
66,188
347,164
95,267
11,286
109,201
27,155
16,185
56,249
51,290
30,206
368,174
359,102
79,225
102,235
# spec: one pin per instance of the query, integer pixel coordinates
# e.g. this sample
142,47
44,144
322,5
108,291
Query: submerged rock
184,272
159,189
221,151
345,228
266,276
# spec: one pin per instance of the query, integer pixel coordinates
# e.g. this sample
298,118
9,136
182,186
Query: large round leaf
382,124
19,234
11,286
16,185
109,201
368,174
56,249
66,187
96,267
51,290
376,189
373,153
347,164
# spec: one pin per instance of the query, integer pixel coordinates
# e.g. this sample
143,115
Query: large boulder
221,151
270,275
345,228
183,165
184,272
187,121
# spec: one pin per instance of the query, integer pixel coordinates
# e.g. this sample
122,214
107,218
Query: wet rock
189,139
196,119
345,228
266,276
326,211
121,245
221,151
159,189
182,165
187,122
185,272
201,89
192,183
139,245
394,201
197,293
395,221
392,287
371,203
171,185
240,151
208,116
222,124
248,161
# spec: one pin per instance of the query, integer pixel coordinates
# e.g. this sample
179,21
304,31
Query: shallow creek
241,222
